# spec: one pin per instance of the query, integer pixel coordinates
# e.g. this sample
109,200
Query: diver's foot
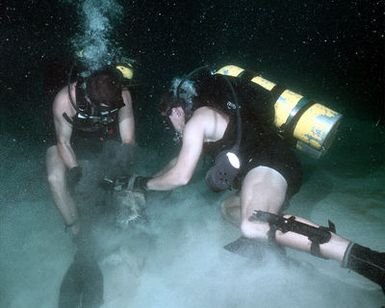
75,230
73,227
366,262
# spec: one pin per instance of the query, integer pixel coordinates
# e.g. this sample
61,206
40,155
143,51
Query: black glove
73,177
140,183
131,182
108,183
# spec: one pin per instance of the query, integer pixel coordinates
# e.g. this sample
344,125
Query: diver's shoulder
62,99
65,91
204,111
209,113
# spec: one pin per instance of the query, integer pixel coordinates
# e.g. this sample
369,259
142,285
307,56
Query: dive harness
89,112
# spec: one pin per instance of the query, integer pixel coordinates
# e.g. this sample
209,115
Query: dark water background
333,50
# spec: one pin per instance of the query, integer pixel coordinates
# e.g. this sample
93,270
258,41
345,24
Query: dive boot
366,262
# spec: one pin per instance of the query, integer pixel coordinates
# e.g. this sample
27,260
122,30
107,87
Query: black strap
247,75
296,113
69,88
67,118
276,92
316,235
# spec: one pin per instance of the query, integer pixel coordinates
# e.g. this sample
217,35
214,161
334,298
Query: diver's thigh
262,189
54,163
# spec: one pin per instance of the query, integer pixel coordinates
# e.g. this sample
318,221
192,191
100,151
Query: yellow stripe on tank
315,124
284,105
230,70
268,85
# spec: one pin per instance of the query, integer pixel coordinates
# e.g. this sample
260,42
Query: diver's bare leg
265,189
57,182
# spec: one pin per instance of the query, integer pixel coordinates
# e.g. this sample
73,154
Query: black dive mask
221,176
93,113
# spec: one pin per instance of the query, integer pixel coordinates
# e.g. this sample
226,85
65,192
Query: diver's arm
63,128
126,120
170,165
181,173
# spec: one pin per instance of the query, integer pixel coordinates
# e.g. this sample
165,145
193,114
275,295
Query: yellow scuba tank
124,65
311,124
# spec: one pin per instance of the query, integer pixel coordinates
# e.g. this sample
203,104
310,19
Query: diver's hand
140,183
75,174
108,183
73,177
130,182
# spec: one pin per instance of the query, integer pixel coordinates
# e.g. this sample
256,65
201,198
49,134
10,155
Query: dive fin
70,288
254,249
82,285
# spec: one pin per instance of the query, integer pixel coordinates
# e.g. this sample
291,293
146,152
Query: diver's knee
55,168
55,178
254,230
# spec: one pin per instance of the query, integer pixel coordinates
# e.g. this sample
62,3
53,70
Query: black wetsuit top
260,144
85,142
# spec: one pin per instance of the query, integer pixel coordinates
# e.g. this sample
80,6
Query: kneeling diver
233,120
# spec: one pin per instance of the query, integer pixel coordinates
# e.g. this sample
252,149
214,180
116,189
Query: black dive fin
82,285
254,249
71,287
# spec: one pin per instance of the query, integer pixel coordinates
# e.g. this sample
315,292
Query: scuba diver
96,108
233,120
89,114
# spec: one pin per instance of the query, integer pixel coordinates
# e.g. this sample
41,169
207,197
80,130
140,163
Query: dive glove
140,183
73,177
131,182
